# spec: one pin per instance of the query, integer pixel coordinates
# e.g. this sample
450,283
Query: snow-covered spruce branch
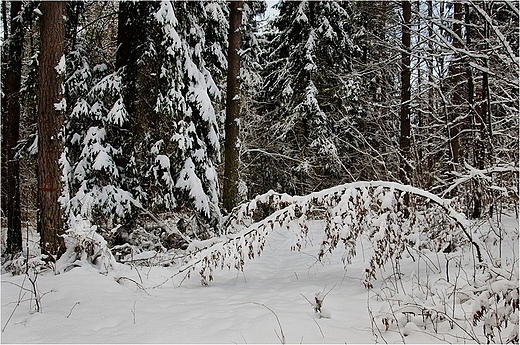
391,215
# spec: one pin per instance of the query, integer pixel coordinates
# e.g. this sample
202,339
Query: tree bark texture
231,145
50,121
404,142
11,129
3,174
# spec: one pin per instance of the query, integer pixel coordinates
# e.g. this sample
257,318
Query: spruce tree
95,182
184,153
306,96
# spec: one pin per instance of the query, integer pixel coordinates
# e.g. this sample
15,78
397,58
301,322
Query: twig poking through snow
118,280
317,324
74,306
133,311
282,338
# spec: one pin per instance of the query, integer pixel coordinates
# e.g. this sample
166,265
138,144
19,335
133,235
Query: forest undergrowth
426,267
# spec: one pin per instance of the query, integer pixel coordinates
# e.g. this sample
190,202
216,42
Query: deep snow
267,303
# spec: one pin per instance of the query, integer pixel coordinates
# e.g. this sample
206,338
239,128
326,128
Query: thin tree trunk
404,142
455,76
477,140
486,111
4,20
231,146
418,173
50,122
430,56
430,60
486,119
12,130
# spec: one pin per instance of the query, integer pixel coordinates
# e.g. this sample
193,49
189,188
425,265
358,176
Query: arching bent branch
375,209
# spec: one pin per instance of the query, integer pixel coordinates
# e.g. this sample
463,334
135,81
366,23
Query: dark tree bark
483,119
477,120
404,142
3,175
4,20
11,129
231,146
50,122
430,161
455,79
131,34
486,128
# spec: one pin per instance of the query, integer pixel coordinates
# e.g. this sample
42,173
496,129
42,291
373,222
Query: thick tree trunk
50,121
404,142
3,175
231,146
12,131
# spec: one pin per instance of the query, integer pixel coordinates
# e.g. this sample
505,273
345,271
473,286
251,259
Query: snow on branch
482,174
391,215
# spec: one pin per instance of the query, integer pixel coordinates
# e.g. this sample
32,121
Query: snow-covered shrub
166,238
497,306
479,300
391,215
259,208
20,264
84,246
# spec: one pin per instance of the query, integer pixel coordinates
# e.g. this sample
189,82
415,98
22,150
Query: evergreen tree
146,134
184,153
94,185
373,123
95,182
307,98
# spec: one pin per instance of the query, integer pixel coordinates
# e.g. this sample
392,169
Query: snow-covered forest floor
271,301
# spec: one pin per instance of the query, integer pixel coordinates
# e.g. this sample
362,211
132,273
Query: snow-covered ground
270,302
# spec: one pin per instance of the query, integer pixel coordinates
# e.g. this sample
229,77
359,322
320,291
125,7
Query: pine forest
212,171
